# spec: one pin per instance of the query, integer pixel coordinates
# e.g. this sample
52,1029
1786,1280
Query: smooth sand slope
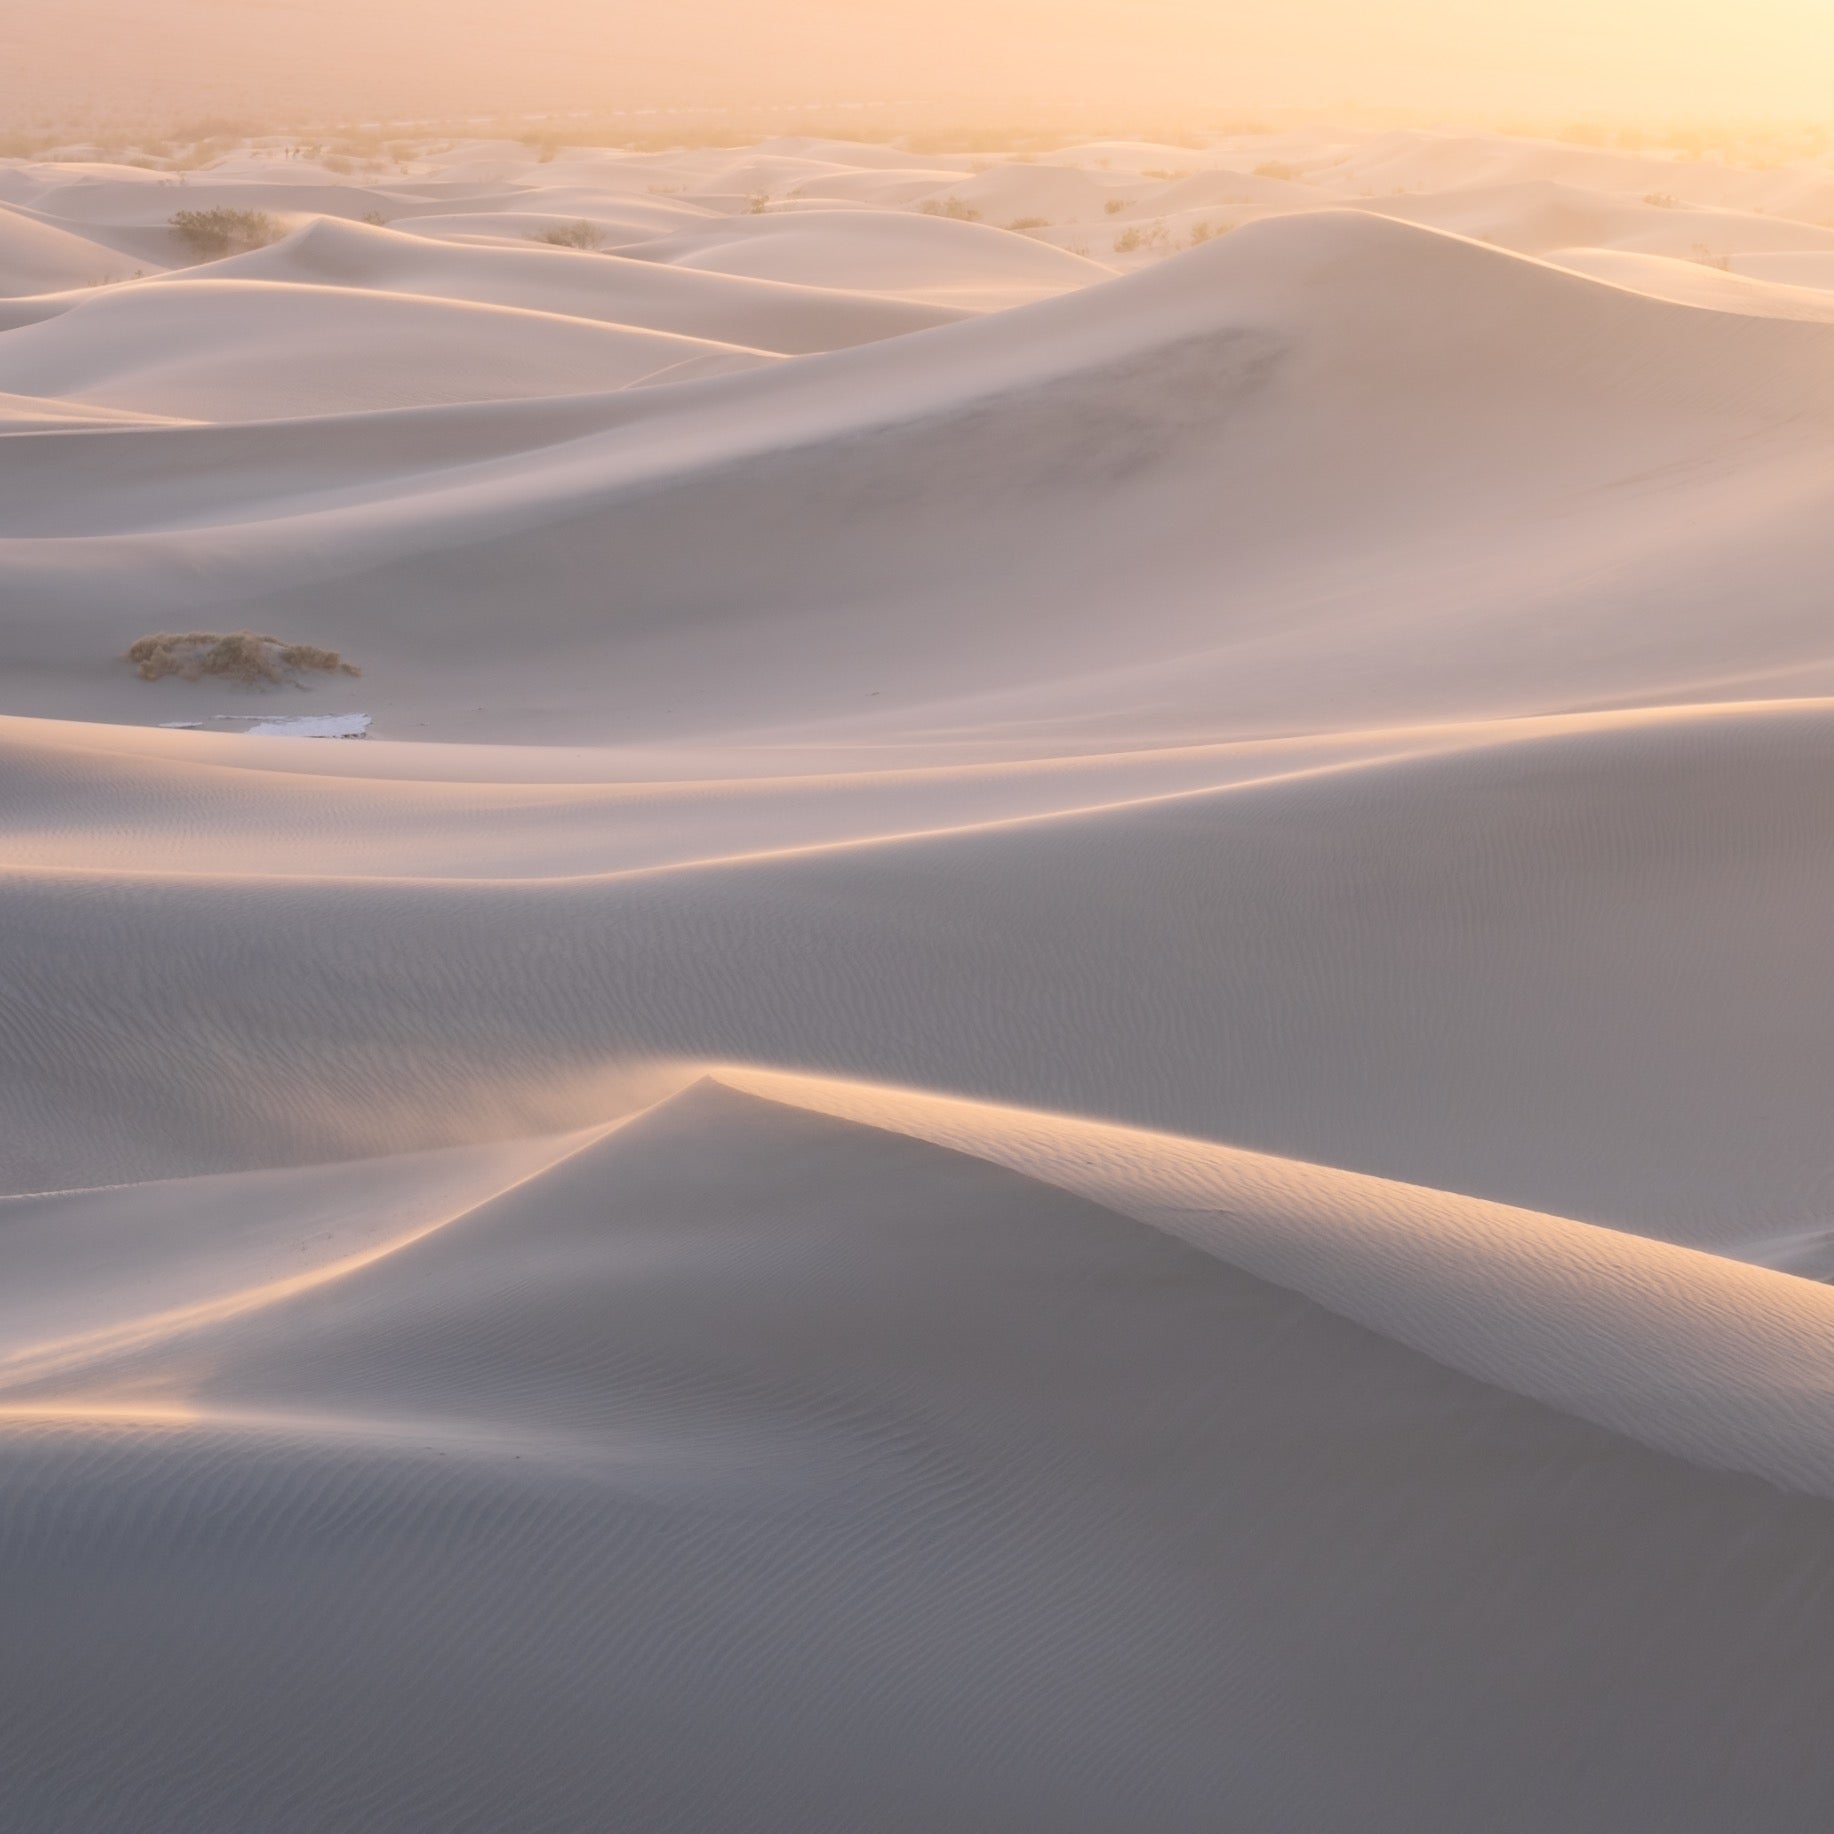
911,512
252,350
1061,1063
520,272
745,1468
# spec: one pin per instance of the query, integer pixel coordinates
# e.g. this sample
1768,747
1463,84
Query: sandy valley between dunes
1061,1063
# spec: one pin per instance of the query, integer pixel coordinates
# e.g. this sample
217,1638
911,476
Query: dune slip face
1059,1059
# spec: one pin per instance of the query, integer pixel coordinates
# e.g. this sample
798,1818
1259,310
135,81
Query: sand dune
519,218
1693,281
37,257
1060,1063
1807,267
1413,161
1168,438
564,1486
1537,218
790,320
1226,190
915,257
234,350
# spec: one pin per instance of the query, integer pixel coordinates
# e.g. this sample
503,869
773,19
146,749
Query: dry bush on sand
1133,239
582,235
211,234
954,207
241,656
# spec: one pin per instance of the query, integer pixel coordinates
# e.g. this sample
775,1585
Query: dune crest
1059,1060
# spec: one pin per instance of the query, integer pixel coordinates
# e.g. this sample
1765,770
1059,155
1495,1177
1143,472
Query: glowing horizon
1646,60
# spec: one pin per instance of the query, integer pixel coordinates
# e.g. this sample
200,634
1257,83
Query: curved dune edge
750,1416
1681,450
261,803
1716,1361
357,1223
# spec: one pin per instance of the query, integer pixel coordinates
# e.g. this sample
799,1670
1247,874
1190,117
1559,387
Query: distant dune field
1060,1063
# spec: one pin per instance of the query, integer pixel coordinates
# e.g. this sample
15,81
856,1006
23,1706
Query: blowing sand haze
1059,1062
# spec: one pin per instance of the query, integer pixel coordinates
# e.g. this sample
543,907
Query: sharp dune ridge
1061,1059
281,811
849,1487
862,430
1597,1313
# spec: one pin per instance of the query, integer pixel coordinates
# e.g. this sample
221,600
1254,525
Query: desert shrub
1710,257
211,234
950,207
1276,168
1134,238
570,235
1663,200
1025,223
758,203
375,219
1115,205
1208,232
241,656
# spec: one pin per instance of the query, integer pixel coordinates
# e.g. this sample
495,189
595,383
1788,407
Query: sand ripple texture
1062,1063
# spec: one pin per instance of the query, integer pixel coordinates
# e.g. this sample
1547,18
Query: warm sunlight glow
913,915
1618,59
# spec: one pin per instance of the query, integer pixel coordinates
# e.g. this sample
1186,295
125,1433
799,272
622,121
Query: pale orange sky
1653,59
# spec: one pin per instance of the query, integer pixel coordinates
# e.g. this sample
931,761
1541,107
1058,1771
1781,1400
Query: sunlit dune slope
741,1392
1059,1061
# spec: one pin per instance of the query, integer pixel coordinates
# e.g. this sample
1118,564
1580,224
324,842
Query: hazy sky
1722,59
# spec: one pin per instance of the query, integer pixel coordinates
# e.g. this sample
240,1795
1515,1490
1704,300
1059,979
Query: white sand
1060,1062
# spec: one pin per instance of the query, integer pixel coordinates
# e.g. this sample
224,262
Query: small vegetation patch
570,235
211,234
1024,223
242,656
1277,168
953,207
1132,240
